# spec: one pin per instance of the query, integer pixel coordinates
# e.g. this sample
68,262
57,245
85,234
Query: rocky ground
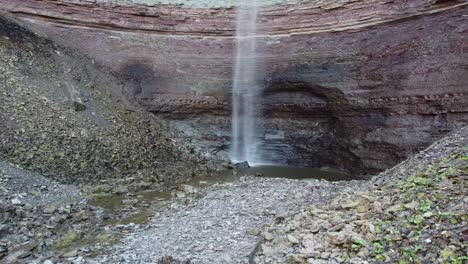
67,136
223,226
413,213
416,212
22,187
67,119
41,219
95,157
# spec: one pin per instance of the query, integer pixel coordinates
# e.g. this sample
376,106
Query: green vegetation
67,240
429,219
425,210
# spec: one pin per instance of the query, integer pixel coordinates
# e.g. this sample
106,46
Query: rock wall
63,117
350,85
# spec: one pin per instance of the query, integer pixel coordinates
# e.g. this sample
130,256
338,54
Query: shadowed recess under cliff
356,94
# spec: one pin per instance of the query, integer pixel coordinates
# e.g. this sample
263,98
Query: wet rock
188,189
130,201
102,188
121,190
78,106
141,186
241,165
4,229
67,240
180,194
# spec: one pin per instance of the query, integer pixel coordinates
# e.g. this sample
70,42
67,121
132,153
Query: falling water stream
246,90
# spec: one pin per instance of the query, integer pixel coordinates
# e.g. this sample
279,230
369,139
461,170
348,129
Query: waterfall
246,91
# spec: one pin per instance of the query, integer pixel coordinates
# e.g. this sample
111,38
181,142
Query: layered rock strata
62,117
351,85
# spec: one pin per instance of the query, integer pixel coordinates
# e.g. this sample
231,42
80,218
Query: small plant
459,260
420,180
380,257
378,229
358,244
411,253
426,205
444,215
417,219
345,256
378,248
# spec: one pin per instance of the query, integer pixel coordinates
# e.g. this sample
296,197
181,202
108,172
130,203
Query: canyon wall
349,85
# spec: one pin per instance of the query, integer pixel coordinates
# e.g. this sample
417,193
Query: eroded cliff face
350,85
62,116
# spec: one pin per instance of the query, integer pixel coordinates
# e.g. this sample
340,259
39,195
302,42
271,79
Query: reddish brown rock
356,85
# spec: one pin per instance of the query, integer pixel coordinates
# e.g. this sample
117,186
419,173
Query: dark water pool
296,173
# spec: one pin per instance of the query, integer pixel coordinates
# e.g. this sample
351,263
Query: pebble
129,201
268,236
293,239
236,212
121,190
325,255
16,201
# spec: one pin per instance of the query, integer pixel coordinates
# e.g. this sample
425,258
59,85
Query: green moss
138,219
108,202
67,240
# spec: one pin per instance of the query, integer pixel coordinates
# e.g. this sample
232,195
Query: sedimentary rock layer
352,85
304,17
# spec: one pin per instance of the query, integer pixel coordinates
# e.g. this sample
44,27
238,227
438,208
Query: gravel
412,213
221,227
26,187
